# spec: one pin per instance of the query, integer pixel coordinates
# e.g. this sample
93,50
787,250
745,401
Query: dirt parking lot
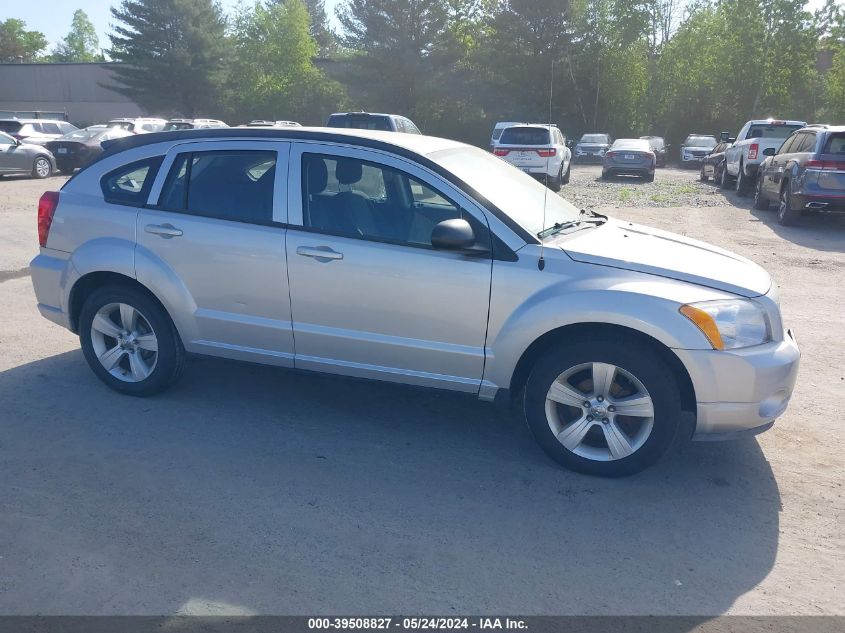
248,489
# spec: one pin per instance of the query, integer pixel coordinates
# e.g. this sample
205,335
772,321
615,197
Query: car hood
647,250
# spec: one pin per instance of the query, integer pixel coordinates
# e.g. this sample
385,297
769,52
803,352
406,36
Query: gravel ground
251,490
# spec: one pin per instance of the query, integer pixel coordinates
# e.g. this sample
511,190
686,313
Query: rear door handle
320,253
163,230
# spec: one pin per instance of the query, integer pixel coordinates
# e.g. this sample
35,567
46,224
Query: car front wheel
129,341
41,167
602,408
760,201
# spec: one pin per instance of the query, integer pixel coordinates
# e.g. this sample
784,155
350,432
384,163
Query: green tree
19,45
397,46
320,29
81,44
174,55
273,73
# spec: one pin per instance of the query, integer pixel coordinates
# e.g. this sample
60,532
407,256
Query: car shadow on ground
254,490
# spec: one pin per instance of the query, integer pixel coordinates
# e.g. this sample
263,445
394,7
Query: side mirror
453,235
769,151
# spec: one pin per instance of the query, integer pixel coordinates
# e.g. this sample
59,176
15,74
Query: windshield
524,136
632,143
178,125
509,189
602,139
83,135
700,141
765,130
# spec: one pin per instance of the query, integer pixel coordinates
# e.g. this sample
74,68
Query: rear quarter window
130,184
835,144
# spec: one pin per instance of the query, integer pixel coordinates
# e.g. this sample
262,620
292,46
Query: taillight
545,153
752,151
501,152
831,165
46,208
609,154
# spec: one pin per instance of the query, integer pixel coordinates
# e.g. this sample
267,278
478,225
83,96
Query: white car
139,125
539,150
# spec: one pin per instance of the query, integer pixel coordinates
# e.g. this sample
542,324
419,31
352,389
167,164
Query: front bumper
688,159
741,392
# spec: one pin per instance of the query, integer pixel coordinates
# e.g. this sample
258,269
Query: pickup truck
756,140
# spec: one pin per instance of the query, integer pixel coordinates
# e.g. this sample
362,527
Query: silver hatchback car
415,260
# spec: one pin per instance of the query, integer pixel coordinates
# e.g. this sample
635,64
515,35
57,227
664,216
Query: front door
217,222
12,159
370,296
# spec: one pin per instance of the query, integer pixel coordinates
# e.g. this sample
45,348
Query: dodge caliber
415,260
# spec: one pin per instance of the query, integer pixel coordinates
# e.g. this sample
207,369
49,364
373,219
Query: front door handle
166,231
320,253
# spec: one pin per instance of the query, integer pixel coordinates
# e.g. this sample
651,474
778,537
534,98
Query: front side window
5,139
130,185
364,200
50,128
232,185
808,143
788,144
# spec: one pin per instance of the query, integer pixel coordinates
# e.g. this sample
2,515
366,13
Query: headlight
730,323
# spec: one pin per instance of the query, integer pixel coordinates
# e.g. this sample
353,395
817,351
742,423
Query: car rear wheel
41,167
554,183
743,182
602,408
760,201
568,173
724,177
787,216
129,341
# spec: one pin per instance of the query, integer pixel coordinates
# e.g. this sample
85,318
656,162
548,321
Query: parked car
80,147
265,123
19,157
592,147
35,131
695,147
629,157
538,150
192,124
498,129
659,147
415,260
713,165
140,125
807,174
373,121
755,138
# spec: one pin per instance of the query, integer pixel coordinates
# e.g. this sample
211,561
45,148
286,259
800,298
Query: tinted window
835,144
361,122
130,184
359,199
602,139
230,185
10,127
765,130
808,143
525,136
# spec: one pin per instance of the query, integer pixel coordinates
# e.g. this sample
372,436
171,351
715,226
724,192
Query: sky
53,17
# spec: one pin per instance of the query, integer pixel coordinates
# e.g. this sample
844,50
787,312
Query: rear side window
10,127
835,144
232,185
130,185
50,128
524,136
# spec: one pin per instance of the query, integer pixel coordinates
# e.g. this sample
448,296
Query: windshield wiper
593,219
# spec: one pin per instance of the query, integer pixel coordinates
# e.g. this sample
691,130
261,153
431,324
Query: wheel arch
89,283
577,331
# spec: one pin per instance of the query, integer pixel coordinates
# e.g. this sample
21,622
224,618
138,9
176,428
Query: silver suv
415,260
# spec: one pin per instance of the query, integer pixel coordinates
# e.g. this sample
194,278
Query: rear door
216,220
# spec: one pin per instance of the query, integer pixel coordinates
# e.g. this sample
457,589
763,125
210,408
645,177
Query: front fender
644,303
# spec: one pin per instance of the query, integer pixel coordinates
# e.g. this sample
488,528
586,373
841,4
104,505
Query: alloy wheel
42,167
124,342
599,411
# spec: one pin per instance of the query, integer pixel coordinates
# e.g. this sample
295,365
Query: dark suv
806,174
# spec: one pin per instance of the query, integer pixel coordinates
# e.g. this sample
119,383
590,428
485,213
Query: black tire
743,182
568,173
555,183
171,354
605,175
724,178
634,357
65,168
648,178
787,216
41,167
760,201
